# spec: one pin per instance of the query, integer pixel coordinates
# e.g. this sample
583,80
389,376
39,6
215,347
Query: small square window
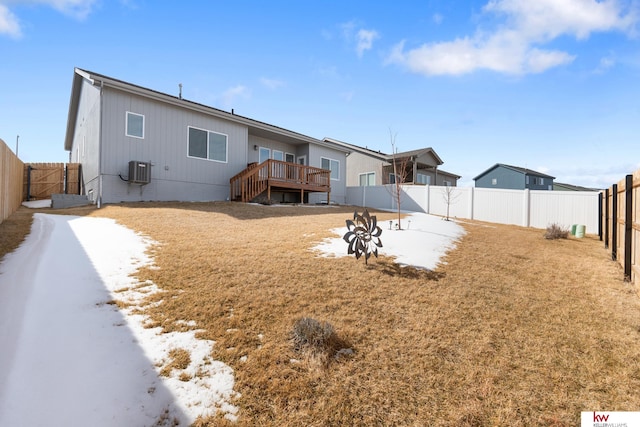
494,181
135,125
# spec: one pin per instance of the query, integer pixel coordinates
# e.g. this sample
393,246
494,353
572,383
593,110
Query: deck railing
258,178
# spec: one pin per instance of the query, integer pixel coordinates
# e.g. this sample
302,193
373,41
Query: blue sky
552,85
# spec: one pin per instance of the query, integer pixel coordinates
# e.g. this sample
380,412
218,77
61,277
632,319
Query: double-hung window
333,166
135,125
204,144
367,179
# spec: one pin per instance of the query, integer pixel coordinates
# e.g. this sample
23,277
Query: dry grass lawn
514,330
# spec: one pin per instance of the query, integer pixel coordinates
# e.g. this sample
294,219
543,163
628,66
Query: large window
367,179
264,154
278,155
423,179
135,125
208,145
332,165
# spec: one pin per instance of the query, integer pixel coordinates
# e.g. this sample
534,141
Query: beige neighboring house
368,167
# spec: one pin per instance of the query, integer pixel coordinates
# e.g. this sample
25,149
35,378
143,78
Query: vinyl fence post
628,225
526,208
614,222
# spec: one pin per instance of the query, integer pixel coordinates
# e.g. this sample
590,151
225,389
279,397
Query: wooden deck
281,176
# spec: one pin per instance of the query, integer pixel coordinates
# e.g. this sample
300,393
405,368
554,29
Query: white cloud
437,18
605,64
230,95
271,83
517,45
9,23
365,40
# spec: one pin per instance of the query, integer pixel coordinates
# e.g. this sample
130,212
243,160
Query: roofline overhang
104,81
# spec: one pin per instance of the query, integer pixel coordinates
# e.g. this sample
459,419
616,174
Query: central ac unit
139,172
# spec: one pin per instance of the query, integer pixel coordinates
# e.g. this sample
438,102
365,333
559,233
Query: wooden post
628,225
606,219
600,215
614,222
302,196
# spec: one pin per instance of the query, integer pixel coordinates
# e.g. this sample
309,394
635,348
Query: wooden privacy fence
41,180
621,224
10,181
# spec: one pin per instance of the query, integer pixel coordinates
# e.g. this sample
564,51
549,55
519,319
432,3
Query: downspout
436,173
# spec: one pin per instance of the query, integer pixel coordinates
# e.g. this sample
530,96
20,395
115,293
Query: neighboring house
514,178
559,186
369,167
137,144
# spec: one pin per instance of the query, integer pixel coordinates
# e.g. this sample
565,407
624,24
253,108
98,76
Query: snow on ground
69,357
421,242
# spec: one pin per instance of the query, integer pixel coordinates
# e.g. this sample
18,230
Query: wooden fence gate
41,180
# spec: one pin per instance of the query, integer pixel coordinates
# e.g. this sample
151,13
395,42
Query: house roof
571,187
387,157
524,171
256,127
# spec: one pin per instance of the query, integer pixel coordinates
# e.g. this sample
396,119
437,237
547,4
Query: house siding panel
338,188
86,139
506,179
174,176
358,163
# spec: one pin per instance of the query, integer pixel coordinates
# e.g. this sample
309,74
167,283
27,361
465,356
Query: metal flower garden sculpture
363,236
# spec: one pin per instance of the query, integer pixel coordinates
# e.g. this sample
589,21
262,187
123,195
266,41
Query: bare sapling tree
450,196
400,173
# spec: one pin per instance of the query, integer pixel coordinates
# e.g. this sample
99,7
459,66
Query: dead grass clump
316,340
179,359
555,231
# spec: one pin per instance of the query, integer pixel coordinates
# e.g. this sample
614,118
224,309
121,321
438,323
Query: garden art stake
363,236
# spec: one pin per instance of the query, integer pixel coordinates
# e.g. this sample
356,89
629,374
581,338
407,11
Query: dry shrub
316,340
555,231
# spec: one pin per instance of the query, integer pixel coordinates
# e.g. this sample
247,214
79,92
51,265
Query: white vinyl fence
527,208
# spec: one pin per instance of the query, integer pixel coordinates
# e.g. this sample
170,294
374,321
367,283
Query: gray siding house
369,167
137,144
514,178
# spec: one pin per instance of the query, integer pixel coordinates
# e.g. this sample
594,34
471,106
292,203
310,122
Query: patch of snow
422,242
70,356
36,204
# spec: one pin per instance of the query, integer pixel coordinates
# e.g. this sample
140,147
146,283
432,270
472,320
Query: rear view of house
367,167
513,178
137,144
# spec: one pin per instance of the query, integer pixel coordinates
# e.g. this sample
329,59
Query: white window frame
332,162
226,145
494,181
260,151
446,183
367,175
427,179
126,125
301,160
278,153
289,155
